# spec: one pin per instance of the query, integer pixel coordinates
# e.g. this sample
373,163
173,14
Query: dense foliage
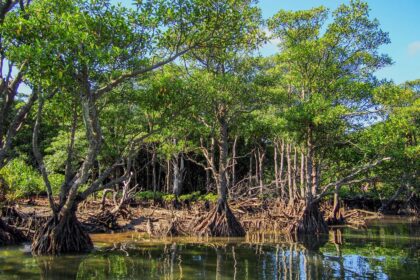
171,99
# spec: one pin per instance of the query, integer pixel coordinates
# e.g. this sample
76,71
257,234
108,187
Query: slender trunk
276,168
336,205
178,167
168,175
154,183
256,167
302,175
289,174
309,167
250,171
295,173
212,161
261,156
39,158
281,170
235,142
159,178
223,160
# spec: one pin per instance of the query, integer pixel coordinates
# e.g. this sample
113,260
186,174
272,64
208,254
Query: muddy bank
160,219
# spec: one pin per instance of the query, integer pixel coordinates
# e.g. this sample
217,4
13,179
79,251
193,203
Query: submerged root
220,223
61,235
10,235
310,221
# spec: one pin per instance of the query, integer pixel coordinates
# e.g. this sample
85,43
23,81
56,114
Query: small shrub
194,196
22,179
210,197
149,195
168,198
56,181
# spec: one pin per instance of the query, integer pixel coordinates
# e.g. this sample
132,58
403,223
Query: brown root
336,217
10,235
220,223
26,223
103,222
310,221
61,235
175,229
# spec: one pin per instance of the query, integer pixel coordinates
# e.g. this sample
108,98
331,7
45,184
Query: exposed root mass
309,221
61,235
10,235
175,229
103,222
220,223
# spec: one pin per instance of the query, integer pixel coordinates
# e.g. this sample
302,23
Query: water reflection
59,268
378,253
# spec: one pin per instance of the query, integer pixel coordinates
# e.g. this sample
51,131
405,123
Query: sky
401,18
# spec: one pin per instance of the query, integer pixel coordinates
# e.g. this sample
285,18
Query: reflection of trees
219,260
308,258
65,267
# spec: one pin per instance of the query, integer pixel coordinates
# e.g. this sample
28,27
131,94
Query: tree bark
282,193
289,174
261,156
223,159
276,168
178,168
235,142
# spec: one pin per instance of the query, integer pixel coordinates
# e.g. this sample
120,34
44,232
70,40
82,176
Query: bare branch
349,179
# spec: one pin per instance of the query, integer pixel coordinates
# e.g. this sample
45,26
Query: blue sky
401,18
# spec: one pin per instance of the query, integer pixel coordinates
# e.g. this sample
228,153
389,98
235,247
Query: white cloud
414,48
272,41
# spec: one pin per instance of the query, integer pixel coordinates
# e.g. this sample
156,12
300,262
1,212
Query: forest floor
158,219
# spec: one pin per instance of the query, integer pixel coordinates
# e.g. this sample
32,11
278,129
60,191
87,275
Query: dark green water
388,249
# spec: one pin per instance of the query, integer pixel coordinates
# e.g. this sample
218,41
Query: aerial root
175,229
10,235
61,235
220,223
310,221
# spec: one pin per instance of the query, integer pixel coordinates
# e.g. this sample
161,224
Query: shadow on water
379,252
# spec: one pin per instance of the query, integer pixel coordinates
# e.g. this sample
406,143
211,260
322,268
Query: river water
387,249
